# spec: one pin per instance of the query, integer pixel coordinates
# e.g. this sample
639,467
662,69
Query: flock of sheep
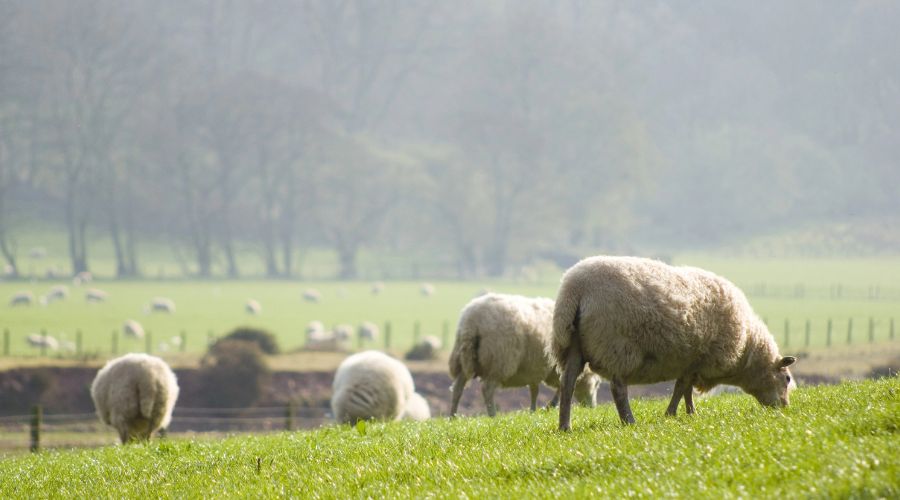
629,320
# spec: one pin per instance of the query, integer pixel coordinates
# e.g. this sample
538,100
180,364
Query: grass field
832,442
217,306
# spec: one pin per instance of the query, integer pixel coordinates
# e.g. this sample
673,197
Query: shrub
264,339
234,374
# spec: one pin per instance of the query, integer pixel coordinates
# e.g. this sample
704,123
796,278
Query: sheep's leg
574,366
555,401
487,390
123,434
689,399
458,385
534,394
682,389
620,396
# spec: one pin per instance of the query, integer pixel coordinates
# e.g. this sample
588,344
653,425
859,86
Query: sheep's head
775,384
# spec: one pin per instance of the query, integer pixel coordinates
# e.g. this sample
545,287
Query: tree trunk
347,259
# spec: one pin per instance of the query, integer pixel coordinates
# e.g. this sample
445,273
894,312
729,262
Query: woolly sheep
427,289
315,329
427,348
371,385
640,321
38,340
21,299
252,307
135,394
161,304
312,295
368,331
58,292
132,328
503,339
416,408
325,341
82,278
343,332
95,295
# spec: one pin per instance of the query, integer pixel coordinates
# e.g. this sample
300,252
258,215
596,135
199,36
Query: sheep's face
777,384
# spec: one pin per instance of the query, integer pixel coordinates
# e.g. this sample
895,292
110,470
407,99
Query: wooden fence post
806,332
387,334
871,329
78,342
43,342
849,331
787,332
417,328
183,346
828,334
114,346
37,416
6,340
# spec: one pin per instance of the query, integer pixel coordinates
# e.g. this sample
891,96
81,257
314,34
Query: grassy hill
833,441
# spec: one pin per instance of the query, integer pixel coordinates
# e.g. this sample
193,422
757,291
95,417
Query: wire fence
80,430
835,291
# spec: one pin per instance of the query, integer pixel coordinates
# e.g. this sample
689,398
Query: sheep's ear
787,361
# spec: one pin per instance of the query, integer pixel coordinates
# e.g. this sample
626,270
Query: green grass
832,442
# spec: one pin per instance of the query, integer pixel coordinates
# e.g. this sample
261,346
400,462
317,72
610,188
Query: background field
213,307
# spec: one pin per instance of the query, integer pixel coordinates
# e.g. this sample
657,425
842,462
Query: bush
264,339
233,374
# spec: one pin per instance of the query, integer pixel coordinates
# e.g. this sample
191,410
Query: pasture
833,441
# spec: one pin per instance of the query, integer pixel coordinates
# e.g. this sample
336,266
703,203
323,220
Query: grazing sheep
135,394
312,295
38,340
252,307
416,408
372,385
425,349
58,292
503,339
377,288
132,328
326,342
82,278
343,332
21,299
640,321
315,329
95,295
161,304
427,289
368,331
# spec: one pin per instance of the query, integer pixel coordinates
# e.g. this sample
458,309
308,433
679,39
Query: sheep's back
370,385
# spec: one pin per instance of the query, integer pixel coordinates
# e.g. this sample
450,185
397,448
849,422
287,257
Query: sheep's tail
464,358
566,315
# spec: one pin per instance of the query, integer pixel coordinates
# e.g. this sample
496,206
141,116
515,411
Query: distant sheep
425,349
161,304
312,295
252,307
368,331
377,288
82,278
427,289
135,394
373,385
133,329
416,408
317,339
343,332
21,299
58,292
503,340
95,295
38,340
640,321
315,329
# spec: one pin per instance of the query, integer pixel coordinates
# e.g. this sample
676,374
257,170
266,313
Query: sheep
317,339
640,321
21,299
416,408
377,288
372,385
315,329
252,307
58,292
425,349
95,295
132,328
82,278
368,331
135,394
343,332
161,304
503,339
427,289
38,340
312,295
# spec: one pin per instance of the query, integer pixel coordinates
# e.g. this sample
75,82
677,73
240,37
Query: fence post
78,342
6,340
417,327
871,329
148,342
387,334
787,332
806,331
445,334
849,331
114,346
289,413
43,342
37,416
183,346
828,334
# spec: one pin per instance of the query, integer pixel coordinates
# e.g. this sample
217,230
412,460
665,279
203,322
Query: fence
875,330
836,291
40,430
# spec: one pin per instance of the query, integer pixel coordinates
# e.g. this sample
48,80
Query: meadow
831,442
213,307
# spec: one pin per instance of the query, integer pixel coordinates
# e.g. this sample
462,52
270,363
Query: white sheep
38,340
343,332
21,299
377,288
95,295
372,385
133,329
416,408
640,321
427,289
317,339
368,331
425,349
315,328
135,394
58,292
161,304
82,278
503,340
312,295
252,307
